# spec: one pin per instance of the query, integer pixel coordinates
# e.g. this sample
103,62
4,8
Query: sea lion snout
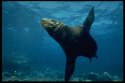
49,23
45,22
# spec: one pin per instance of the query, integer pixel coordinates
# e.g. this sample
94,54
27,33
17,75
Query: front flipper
70,65
89,20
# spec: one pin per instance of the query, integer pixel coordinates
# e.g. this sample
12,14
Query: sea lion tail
89,20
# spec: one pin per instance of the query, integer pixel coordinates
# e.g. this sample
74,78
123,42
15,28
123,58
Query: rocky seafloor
18,68
53,75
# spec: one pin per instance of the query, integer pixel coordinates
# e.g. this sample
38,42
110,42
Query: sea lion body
75,40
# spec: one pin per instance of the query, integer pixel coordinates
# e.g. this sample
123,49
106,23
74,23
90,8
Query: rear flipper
70,65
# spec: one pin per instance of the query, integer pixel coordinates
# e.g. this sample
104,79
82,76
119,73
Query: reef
15,61
50,74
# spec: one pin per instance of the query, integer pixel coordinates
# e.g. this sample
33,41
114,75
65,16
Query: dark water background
26,46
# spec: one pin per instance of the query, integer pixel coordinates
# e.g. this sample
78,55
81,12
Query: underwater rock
116,78
75,79
88,80
92,76
17,74
37,75
13,76
16,61
6,74
60,75
55,75
106,77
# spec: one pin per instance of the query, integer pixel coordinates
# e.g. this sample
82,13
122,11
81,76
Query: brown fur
75,41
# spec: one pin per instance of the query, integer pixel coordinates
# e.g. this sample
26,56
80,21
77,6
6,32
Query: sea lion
75,40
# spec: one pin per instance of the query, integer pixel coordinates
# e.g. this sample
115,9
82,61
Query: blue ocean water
27,47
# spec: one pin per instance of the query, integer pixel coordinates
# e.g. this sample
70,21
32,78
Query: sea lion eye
54,21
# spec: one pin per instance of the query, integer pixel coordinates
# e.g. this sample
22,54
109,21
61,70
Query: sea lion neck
59,27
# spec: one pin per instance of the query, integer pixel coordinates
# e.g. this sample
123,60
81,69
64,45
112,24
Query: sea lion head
51,24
